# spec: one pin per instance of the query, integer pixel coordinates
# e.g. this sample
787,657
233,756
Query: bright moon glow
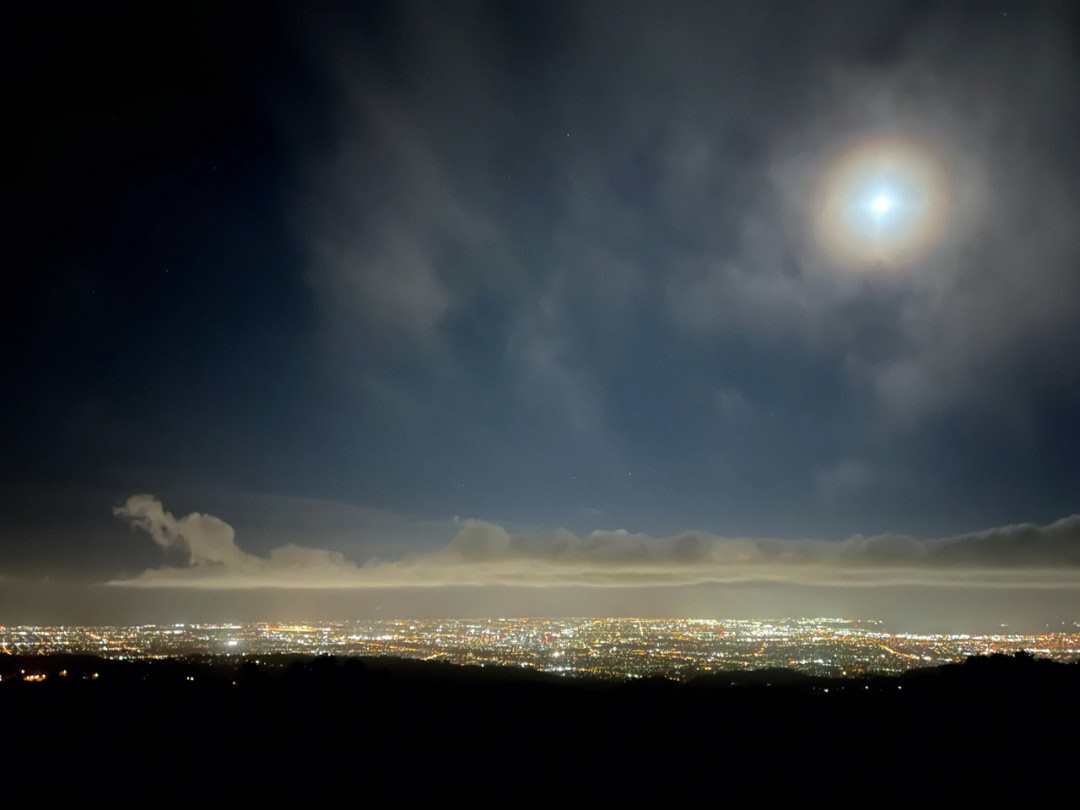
885,203
881,204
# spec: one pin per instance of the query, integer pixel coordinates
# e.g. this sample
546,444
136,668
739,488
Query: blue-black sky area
543,265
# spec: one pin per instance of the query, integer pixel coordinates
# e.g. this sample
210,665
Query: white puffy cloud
205,538
214,556
485,553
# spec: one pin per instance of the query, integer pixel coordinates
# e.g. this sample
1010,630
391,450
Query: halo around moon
882,203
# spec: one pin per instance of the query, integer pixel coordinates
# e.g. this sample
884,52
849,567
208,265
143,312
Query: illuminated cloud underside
486,554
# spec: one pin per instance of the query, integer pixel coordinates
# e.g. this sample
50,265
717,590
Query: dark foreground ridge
301,732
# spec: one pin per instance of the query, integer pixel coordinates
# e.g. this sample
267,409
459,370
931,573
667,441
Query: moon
882,203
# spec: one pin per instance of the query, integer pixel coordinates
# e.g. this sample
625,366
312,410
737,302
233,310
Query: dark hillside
325,731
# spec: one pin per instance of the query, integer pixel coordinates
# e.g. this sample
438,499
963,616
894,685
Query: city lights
607,648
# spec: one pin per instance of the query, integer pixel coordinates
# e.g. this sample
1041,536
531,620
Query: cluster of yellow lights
882,203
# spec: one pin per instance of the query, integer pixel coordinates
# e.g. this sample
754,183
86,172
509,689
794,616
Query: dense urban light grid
607,648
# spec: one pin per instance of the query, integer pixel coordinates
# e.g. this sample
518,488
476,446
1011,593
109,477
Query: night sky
507,295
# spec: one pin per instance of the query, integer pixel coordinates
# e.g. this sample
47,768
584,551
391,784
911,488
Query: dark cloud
628,184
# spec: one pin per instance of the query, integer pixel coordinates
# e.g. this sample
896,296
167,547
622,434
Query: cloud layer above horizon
483,553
